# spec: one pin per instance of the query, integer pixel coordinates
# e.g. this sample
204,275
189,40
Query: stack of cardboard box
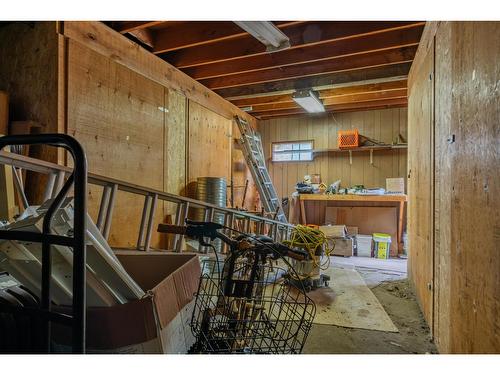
342,238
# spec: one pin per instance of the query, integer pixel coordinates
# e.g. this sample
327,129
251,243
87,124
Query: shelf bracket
350,157
371,156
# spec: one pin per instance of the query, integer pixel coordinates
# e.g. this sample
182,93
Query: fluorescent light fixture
309,100
247,108
266,33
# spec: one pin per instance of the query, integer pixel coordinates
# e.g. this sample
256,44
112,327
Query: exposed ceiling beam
375,81
197,33
128,26
349,77
335,100
376,104
344,47
145,36
300,35
346,90
362,61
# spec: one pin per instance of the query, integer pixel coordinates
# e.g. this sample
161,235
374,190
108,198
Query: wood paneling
116,115
466,201
384,125
475,196
175,146
109,43
28,73
420,184
209,144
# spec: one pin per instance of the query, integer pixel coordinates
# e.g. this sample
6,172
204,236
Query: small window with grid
292,151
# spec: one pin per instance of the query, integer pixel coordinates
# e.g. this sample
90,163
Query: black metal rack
77,180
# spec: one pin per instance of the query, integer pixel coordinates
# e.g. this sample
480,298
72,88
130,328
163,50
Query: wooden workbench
397,200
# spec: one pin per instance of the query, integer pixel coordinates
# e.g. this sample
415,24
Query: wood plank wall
28,73
139,119
465,199
420,183
383,125
117,116
209,144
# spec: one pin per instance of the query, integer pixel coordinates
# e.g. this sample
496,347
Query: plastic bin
381,245
364,244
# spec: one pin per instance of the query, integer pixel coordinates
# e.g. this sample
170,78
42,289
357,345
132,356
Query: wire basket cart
246,303
235,314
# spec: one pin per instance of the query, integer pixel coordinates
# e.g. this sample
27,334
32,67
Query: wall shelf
357,149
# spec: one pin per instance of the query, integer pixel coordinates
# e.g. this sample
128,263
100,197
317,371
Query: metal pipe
49,187
152,210
103,207
19,187
140,239
109,212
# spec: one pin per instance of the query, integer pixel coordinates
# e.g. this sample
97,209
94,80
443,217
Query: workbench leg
302,212
400,224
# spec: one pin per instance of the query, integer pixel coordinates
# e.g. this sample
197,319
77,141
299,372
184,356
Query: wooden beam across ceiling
335,100
300,35
393,38
197,33
129,26
335,65
372,105
379,72
325,93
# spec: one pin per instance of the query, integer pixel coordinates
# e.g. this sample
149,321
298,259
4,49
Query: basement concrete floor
387,280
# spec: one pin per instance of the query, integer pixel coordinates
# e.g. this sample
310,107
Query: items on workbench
395,185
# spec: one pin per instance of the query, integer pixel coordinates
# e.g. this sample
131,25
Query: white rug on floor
348,302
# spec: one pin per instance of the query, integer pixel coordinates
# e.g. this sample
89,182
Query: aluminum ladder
254,155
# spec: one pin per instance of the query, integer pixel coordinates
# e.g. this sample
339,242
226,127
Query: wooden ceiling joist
335,100
300,35
339,48
129,26
342,64
396,70
197,33
376,104
326,93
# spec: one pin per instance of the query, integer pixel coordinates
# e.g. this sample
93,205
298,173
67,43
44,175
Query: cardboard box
335,231
368,220
352,231
395,185
158,322
343,247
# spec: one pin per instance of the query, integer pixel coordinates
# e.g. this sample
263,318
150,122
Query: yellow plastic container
382,245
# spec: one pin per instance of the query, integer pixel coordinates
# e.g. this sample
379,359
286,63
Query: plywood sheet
116,114
175,146
350,303
209,144
420,184
28,73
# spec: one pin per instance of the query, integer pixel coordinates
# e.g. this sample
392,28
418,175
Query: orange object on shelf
348,138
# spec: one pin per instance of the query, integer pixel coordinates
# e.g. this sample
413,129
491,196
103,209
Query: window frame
311,141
